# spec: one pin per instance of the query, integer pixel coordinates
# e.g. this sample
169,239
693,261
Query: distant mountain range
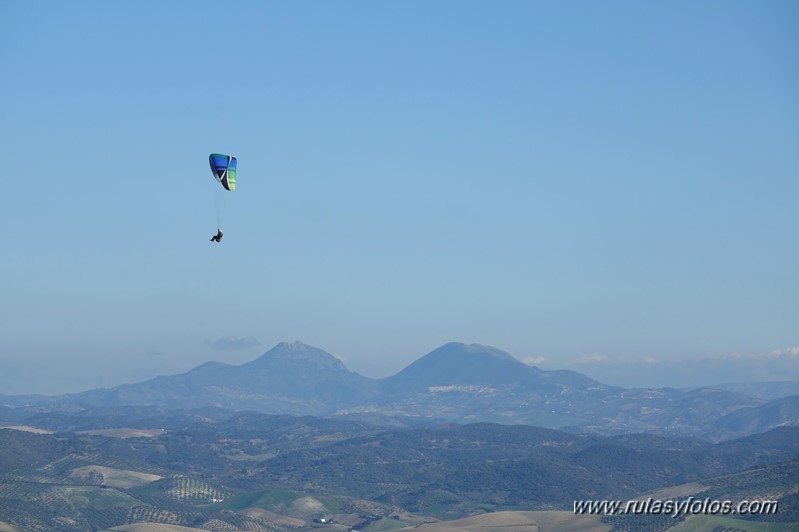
763,390
456,382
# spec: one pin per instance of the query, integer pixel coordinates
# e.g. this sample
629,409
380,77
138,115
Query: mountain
456,364
459,364
763,390
456,382
291,378
754,419
474,382
299,371
466,383
663,410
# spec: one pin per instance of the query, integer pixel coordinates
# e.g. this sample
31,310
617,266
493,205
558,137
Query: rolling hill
253,471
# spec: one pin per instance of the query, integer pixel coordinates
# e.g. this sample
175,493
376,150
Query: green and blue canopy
224,169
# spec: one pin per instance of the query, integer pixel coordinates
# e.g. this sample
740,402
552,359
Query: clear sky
610,187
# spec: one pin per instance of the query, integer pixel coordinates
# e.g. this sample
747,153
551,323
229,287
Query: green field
543,521
96,498
275,500
702,523
116,478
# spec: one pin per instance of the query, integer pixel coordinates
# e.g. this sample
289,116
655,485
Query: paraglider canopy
224,169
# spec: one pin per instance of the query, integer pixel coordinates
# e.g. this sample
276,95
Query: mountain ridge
455,382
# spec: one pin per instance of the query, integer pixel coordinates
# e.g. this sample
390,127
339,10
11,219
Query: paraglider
223,167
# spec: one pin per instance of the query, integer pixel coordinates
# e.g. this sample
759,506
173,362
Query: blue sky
609,187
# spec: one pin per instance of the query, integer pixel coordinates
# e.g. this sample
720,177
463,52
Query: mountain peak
461,349
299,353
210,366
456,363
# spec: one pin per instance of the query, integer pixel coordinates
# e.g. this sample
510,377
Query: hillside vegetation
259,472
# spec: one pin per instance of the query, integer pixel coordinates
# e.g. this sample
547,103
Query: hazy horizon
609,188
648,373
